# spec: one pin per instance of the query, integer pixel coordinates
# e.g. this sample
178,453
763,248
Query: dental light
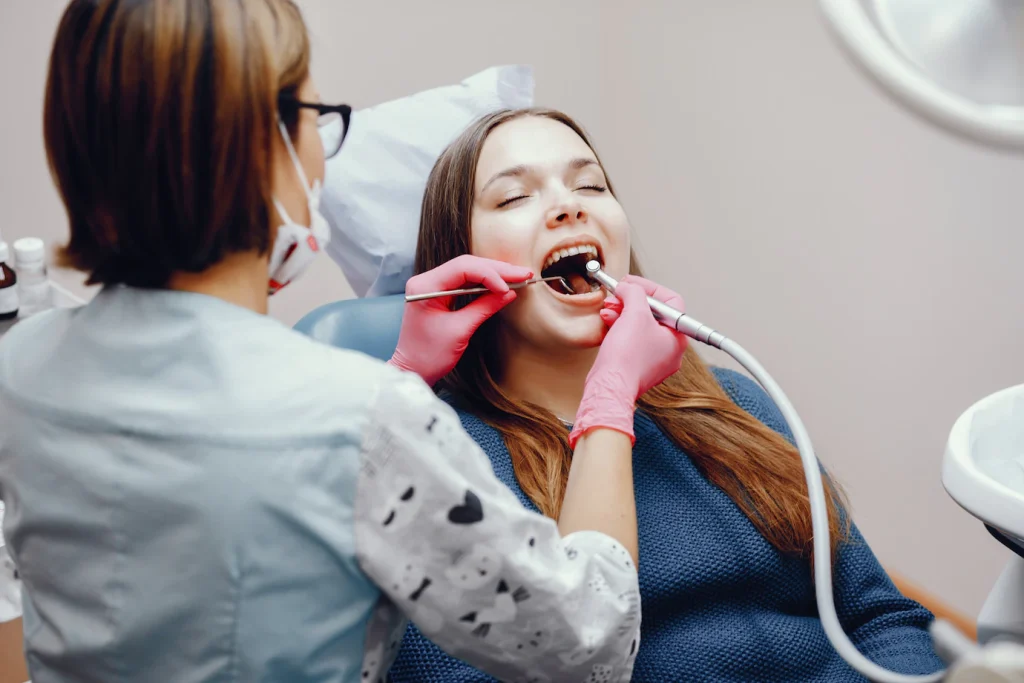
957,63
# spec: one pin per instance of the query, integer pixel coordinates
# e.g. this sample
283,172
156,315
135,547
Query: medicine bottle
33,284
8,286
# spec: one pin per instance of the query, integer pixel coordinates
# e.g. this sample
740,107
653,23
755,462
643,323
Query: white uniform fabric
196,493
10,584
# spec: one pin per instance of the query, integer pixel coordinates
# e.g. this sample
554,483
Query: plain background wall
869,261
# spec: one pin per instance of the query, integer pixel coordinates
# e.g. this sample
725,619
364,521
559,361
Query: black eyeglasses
332,123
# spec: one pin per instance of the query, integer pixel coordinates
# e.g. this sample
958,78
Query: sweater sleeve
887,627
420,661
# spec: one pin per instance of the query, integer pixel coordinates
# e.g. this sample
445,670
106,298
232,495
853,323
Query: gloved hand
434,337
637,353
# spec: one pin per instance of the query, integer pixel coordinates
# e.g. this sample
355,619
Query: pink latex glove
637,353
434,337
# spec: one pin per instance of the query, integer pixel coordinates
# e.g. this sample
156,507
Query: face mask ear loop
294,156
285,218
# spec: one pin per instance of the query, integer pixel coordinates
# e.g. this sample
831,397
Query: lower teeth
578,285
593,287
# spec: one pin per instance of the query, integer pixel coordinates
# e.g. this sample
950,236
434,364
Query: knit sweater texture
719,603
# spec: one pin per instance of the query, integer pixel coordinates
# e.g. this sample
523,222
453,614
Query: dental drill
944,634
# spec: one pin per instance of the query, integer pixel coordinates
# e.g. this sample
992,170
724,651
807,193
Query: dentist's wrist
609,401
398,361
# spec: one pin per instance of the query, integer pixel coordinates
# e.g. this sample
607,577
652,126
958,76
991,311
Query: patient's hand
433,336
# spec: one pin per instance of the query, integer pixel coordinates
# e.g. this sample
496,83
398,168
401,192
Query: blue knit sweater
719,602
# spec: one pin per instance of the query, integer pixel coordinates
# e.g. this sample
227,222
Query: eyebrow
515,171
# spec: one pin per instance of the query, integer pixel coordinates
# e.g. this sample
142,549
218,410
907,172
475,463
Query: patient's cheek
506,253
499,246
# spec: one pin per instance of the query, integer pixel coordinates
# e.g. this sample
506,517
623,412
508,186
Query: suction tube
678,320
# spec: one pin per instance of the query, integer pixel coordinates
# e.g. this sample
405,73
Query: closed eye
510,200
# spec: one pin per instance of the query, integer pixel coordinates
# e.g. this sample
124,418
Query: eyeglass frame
321,109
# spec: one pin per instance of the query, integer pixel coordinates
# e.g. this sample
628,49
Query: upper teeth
559,254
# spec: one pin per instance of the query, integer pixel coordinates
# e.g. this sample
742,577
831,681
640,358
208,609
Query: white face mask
296,246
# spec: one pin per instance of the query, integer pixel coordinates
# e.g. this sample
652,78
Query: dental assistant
194,492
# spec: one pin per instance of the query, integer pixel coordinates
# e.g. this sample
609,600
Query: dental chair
371,326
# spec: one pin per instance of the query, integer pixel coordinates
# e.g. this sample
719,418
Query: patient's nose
567,213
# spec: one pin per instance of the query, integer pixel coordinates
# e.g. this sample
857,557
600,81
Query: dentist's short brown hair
159,121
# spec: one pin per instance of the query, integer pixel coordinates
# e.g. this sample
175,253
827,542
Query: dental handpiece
664,313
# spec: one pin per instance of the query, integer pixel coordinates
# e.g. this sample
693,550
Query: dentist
195,492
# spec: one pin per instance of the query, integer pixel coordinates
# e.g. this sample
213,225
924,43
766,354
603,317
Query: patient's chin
552,328
582,332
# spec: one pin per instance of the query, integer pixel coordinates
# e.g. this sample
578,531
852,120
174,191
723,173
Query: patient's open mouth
571,264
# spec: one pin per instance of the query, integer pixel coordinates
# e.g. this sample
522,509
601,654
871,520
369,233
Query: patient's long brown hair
756,467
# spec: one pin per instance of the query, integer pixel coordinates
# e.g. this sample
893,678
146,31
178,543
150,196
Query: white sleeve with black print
489,581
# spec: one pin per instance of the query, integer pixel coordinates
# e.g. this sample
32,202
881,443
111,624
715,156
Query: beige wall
868,260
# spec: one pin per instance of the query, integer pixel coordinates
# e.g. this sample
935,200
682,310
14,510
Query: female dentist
195,492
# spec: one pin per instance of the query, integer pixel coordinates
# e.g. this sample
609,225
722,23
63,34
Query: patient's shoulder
748,394
484,434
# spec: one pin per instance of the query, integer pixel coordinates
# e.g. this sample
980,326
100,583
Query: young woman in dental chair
724,524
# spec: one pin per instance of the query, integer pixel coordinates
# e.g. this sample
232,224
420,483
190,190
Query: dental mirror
958,63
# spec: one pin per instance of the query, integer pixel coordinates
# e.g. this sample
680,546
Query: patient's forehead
529,141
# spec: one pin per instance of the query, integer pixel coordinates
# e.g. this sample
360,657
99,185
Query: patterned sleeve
487,580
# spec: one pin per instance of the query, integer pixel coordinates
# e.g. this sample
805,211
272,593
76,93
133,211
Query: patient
724,524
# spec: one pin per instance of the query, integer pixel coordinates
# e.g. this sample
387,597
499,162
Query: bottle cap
5,253
29,250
